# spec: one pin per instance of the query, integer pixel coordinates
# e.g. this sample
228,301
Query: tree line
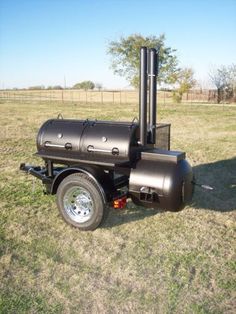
84,85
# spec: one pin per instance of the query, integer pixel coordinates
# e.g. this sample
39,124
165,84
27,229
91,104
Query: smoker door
60,135
108,140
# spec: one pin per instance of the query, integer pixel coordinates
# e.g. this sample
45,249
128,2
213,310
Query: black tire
80,202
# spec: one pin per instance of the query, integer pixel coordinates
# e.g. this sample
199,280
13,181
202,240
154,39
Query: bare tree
98,86
224,78
232,75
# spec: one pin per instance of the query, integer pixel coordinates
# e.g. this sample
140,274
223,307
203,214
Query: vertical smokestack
152,93
143,96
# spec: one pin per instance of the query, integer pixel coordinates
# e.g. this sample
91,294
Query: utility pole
64,81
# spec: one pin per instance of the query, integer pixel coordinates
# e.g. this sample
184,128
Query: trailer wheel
80,202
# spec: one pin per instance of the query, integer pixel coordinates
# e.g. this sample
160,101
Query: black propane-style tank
161,179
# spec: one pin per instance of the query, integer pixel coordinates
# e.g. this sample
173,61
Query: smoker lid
163,155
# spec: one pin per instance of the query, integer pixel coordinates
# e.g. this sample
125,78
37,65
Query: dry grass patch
141,260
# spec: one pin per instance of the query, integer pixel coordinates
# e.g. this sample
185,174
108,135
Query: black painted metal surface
161,183
143,96
114,142
152,94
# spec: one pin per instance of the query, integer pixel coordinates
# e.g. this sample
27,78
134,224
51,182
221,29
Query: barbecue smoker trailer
91,165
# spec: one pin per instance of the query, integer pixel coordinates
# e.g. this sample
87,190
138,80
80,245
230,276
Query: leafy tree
125,57
184,81
84,85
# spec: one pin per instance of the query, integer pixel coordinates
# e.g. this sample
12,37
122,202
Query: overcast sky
48,42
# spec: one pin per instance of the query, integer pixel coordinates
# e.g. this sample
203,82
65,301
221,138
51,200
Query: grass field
140,260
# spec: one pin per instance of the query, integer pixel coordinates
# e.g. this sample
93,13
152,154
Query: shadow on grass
131,213
221,175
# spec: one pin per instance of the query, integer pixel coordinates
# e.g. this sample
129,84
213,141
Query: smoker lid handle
113,151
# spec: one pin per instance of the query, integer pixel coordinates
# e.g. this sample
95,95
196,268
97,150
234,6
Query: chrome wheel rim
78,204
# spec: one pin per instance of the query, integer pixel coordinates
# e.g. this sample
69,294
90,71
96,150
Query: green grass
140,260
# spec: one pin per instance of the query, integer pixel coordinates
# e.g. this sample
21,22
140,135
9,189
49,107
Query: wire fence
121,97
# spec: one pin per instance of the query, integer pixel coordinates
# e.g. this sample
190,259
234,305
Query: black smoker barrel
97,141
